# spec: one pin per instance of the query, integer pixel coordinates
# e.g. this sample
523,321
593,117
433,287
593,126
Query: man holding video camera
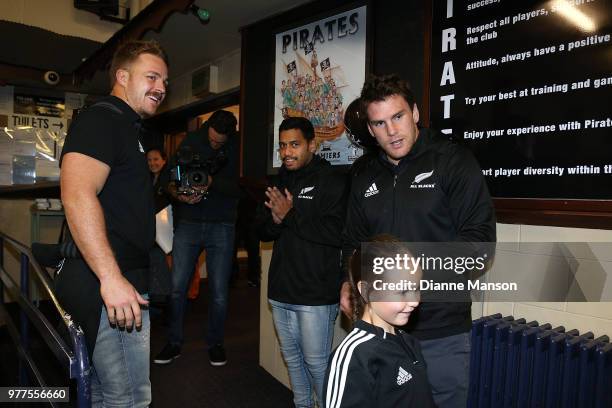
205,189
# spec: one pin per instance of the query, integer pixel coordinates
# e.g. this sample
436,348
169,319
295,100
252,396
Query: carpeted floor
190,381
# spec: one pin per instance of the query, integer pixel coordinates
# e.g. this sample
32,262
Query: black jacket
160,189
305,267
437,193
221,201
371,368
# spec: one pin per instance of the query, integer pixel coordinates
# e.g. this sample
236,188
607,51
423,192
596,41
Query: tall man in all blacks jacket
305,219
420,187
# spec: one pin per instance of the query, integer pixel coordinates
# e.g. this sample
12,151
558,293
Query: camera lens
198,178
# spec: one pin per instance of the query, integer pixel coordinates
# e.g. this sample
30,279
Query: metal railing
75,359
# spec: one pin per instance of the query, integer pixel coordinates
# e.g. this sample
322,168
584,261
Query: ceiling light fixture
201,13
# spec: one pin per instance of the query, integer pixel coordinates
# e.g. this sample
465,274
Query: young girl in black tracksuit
377,365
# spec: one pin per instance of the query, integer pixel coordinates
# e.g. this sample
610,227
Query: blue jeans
120,365
305,334
448,369
217,238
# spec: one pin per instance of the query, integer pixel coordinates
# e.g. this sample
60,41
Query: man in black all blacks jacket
421,187
304,216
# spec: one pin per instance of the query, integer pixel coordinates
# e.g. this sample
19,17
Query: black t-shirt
109,131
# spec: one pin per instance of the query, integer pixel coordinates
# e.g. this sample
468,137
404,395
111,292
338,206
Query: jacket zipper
393,217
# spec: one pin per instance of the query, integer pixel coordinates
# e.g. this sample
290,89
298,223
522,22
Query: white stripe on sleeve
332,381
340,365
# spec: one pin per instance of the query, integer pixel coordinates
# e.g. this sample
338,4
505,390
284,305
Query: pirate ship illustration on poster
313,89
319,69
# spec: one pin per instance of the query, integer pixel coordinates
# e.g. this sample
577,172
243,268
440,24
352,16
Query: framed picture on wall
320,67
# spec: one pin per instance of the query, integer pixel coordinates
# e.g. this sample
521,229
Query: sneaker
169,353
216,355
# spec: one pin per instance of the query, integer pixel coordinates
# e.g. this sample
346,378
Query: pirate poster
319,69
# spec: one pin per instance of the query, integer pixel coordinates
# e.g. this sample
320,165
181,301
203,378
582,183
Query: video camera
192,171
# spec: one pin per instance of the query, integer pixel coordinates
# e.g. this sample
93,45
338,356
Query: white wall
586,316
269,349
179,91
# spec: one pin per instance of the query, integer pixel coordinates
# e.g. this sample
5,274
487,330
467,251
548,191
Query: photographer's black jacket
160,189
437,193
219,205
305,267
371,368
